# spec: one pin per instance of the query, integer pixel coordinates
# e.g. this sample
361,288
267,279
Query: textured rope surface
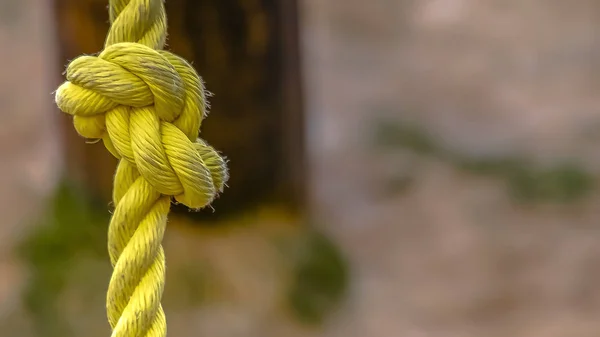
146,104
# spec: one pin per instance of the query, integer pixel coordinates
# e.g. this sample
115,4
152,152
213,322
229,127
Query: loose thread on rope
146,105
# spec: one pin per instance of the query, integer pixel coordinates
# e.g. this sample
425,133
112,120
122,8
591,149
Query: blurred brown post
293,123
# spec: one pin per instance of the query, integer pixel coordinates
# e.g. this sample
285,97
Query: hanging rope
146,104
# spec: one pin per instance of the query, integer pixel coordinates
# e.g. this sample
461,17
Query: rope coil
147,105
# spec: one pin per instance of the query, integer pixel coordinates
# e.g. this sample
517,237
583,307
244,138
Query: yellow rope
146,104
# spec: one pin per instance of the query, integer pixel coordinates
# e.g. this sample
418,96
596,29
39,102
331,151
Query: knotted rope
146,104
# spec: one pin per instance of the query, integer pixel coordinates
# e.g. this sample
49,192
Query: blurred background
415,168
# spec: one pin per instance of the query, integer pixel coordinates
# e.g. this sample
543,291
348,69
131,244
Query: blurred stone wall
439,244
30,155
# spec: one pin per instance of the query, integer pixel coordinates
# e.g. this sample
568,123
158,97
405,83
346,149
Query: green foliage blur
72,227
320,279
565,182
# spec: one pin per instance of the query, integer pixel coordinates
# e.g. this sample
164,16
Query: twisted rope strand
147,105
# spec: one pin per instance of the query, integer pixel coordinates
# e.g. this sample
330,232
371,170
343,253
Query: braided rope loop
147,105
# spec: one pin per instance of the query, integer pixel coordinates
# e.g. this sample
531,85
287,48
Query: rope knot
147,106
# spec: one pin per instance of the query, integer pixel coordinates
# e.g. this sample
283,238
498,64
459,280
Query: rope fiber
146,104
